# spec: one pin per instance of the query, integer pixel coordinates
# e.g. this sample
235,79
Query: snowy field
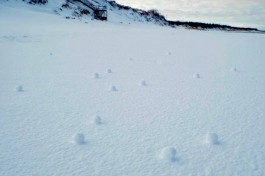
108,99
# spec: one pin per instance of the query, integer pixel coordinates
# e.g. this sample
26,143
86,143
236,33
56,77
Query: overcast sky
249,13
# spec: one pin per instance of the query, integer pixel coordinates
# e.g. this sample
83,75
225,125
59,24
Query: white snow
113,89
212,139
36,125
109,70
168,154
79,138
96,75
20,88
197,75
97,120
234,69
143,83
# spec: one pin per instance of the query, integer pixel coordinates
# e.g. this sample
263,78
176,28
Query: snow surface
54,61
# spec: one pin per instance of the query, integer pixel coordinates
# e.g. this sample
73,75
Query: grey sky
249,13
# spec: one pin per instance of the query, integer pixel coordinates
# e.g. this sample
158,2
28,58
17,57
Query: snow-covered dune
105,99
74,10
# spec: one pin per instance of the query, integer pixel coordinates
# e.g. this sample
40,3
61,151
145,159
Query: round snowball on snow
234,69
97,120
130,59
197,75
109,70
19,88
211,138
169,53
79,138
143,83
113,89
96,75
168,154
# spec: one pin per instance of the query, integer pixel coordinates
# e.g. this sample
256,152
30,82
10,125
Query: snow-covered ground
108,99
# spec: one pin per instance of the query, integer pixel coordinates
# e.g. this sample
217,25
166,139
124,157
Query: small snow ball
96,75
234,69
130,59
197,76
109,70
211,138
79,138
169,53
113,89
51,54
168,154
97,120
143,83
20,88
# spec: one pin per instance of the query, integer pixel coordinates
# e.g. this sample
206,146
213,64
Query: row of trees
38,1
198,25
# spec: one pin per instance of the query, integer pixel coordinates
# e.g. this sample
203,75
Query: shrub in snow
84,12
113,89
79,138
97,120
156,14
197,75
143,83
96,75
66,4
168,154
211,138
19,88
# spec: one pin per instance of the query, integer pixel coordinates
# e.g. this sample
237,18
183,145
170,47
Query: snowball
19,88
197,75
211,138
109,70
169,53
79,138
168,154
130,59
96,75
97,120
234,69
143,83
113,89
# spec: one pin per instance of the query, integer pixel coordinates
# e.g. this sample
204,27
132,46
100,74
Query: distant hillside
117,13
158,17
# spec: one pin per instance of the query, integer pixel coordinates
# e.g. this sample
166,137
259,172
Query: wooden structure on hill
99,12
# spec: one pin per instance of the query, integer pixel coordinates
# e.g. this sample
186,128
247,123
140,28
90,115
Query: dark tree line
38,1
197,25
